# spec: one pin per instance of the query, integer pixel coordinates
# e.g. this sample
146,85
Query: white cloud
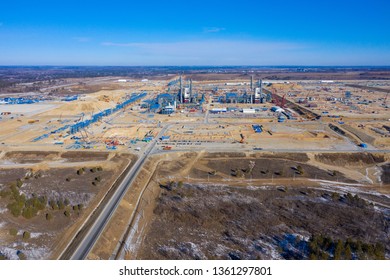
213,29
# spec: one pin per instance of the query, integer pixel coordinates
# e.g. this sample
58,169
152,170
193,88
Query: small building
248,111
218,110
167,110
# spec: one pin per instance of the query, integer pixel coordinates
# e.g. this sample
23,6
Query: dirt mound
30,156
224,155
84,156
352,159
301,157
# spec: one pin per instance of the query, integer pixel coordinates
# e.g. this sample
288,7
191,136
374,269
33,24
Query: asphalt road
93,234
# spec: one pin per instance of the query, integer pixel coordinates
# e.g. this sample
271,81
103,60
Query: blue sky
278,32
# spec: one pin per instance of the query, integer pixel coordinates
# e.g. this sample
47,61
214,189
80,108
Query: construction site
183,167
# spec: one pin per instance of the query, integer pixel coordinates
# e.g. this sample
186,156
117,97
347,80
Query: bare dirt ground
205,211
226,222
68,196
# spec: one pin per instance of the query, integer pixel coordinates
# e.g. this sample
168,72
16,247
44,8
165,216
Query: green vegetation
19,183
67,213
238,173
355,200
53,204
323,247
26,235
300,170
21,256
20,205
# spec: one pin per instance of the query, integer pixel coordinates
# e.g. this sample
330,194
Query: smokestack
191,87
181,91
251,83
261,87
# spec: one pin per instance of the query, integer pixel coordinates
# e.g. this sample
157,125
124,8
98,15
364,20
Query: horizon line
206,66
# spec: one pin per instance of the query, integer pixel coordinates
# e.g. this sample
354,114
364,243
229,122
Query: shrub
348,253
67,213
60,204
53,205
49,216
99,168
15,208
21,256
26,235
338,250
29,212
98,178
80,171
19,183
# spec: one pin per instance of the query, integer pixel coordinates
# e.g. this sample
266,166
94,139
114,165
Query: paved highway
93,234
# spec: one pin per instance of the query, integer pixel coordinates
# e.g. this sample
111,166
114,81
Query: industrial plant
111,168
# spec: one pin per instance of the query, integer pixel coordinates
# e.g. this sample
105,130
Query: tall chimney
181,91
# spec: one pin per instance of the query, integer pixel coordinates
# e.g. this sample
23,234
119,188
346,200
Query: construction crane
283,101
280,101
